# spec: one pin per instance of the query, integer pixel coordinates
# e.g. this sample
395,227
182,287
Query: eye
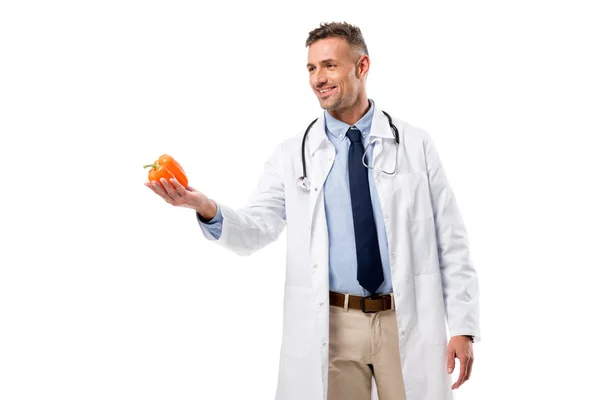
330,65
310,69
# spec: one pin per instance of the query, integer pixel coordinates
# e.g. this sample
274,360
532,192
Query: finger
469,368
152,186
169,189
463,369
178,186
450,356
160,190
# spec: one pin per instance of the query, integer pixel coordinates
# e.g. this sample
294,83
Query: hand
175,194
460,347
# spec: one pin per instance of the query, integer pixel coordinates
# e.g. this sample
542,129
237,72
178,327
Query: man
384,247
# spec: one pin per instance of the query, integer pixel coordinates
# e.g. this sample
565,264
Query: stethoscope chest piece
303,183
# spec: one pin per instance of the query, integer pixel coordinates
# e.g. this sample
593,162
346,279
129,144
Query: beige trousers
362,347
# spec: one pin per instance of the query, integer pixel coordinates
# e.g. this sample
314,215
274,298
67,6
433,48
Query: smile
326,91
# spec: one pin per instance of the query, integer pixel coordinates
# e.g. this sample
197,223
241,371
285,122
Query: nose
318,78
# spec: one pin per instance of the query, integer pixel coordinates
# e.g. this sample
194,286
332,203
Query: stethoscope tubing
302,180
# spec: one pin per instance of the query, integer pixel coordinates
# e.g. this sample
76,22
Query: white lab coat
432,273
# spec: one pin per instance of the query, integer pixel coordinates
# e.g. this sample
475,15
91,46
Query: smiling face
337,74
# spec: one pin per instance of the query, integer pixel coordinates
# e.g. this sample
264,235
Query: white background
107,292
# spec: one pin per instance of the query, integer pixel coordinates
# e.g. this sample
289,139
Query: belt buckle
362,302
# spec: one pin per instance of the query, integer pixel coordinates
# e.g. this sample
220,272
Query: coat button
402,333
324,344
393,256
387,217
315,266
315,189
321,304
397,293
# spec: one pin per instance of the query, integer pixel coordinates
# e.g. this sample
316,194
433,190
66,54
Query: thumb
191,189
451,360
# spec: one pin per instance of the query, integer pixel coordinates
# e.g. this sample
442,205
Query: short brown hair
344,30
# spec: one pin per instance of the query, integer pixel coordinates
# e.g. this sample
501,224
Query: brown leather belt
368,304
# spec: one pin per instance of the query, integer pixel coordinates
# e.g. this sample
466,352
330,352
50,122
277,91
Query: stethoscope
304,182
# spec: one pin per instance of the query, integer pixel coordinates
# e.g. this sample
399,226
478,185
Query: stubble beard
331,104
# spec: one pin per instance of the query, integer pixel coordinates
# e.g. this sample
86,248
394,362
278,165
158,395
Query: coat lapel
383,135
319,156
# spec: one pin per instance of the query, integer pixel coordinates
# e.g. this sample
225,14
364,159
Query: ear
362,66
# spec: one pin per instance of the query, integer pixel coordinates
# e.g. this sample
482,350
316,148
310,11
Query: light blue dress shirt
338,212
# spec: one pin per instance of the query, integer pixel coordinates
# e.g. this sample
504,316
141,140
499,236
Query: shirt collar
380,129
338,128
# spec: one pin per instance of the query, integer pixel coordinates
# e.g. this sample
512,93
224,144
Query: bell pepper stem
151,165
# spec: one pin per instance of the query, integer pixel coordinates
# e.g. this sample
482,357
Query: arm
262,219
459,279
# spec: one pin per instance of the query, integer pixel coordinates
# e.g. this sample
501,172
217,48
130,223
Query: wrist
471,338
207,210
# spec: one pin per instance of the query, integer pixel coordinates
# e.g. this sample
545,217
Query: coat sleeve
262,219
459,279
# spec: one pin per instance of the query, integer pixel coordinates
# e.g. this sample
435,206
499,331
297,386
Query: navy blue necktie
370,268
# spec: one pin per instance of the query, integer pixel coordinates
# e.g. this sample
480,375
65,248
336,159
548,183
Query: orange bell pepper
166,167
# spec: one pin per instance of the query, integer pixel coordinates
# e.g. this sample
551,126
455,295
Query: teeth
325,90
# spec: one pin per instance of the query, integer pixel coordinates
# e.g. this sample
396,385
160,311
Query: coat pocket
412,198
299,321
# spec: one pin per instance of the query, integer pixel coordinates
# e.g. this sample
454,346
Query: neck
351,115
